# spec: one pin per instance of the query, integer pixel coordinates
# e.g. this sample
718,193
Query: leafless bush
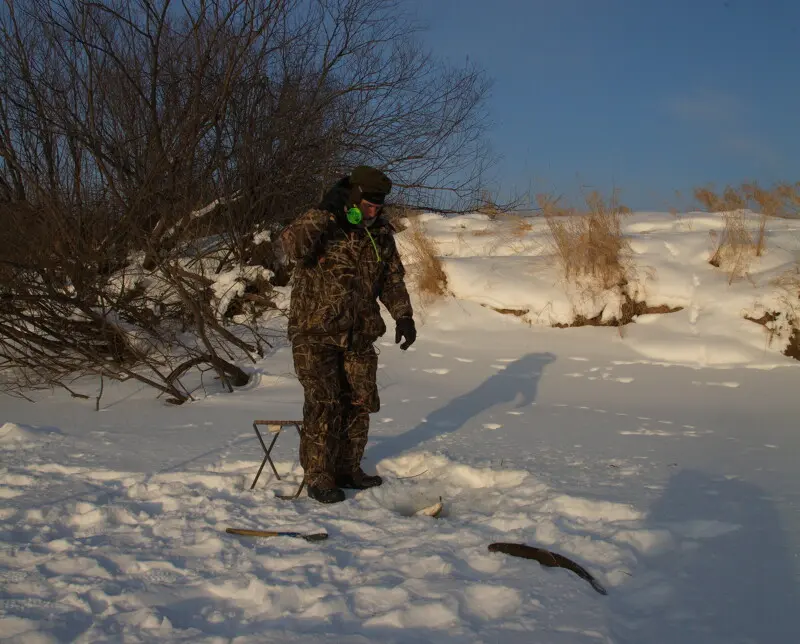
61,317
145,145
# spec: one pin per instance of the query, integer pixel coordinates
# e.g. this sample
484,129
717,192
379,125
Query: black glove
405,329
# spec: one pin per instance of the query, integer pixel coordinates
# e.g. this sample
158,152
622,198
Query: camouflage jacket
339,276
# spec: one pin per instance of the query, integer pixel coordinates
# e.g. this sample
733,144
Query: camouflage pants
340,392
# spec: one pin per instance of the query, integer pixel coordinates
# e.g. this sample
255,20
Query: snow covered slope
509,264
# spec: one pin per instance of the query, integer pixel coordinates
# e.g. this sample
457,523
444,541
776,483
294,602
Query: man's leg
319,367
361,398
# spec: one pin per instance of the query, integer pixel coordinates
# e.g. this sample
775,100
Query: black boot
358,480
325,494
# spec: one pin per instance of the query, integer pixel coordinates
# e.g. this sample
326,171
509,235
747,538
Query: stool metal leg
267,454
255,480
268,451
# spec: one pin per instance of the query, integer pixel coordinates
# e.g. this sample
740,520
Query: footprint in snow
730,385
644,431
672,249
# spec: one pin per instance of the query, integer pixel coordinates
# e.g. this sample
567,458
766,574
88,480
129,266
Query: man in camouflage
345,260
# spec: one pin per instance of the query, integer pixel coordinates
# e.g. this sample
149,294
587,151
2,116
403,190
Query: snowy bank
509,265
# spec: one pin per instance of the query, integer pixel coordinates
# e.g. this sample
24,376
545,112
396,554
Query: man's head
368,190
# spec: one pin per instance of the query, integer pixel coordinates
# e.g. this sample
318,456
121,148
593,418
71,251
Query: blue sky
652,96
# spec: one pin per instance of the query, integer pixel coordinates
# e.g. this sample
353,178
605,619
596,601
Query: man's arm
394,294
306,236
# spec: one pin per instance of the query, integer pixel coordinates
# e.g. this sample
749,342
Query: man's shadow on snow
519,380
729,577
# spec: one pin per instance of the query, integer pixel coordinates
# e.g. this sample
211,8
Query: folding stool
275,427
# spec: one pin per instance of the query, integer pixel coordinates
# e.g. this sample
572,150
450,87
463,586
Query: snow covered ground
662,459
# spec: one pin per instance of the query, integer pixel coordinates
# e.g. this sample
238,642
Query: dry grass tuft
782,200
425,268
395,213
734,247
730,199
552,206
520,226
488,205
589,245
